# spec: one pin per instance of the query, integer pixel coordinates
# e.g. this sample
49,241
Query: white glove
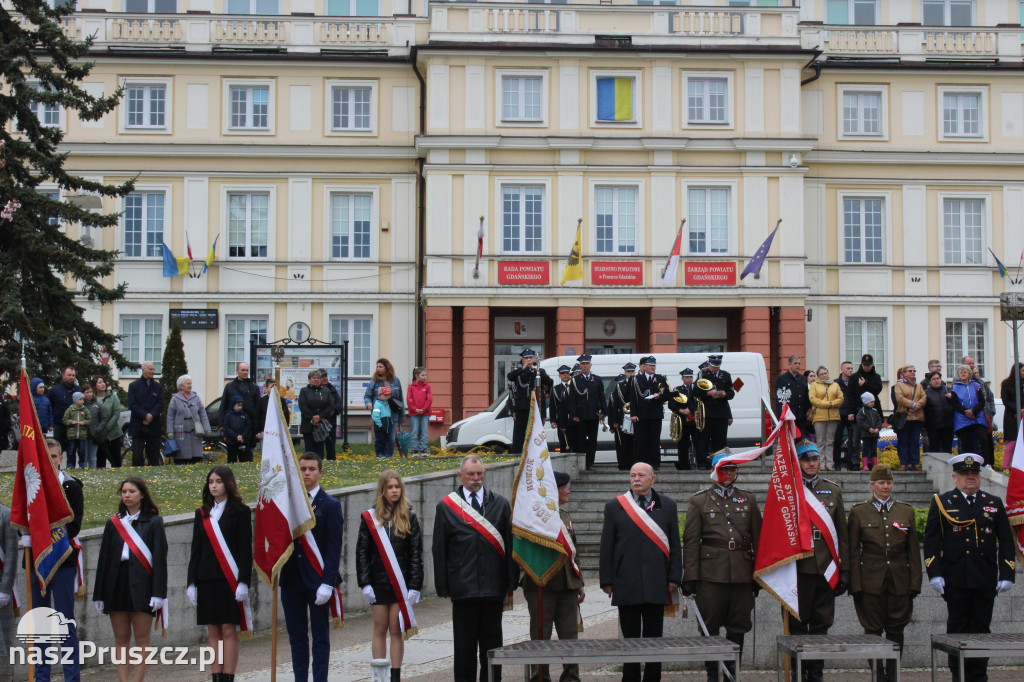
414,596
1001,586
323,594
938,584
156,603
5,599
26,541
368,594
191,592
241,592
99,607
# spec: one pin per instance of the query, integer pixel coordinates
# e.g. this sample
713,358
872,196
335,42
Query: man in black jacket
641,561
865,379
846,443
244,386
61,399
559,409
473,566
717,412
689,435
586,407
521,381
619,421
145,402
791,389
647,394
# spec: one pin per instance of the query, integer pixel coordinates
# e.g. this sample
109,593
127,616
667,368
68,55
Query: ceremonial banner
1015,493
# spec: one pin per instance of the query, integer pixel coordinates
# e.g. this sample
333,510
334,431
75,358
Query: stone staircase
592,489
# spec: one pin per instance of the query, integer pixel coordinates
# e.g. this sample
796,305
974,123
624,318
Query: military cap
686,372
528,353
968,461
564,369
561,479
881,472
806,450
583,358
629,367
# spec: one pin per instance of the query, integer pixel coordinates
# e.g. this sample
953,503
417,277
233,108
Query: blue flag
173,266
999,263
754,266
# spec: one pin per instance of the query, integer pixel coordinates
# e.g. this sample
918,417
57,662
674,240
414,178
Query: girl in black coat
403,529
124,589
208,588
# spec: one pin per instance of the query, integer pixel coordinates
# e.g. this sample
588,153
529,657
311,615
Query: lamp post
1011,311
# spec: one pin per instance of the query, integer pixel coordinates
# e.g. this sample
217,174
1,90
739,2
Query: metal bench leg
960,664
799,668
778,663
933,663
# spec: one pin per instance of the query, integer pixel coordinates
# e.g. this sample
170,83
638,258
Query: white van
492,428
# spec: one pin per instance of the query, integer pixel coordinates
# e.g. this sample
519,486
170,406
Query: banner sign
617,274
524,272
710,274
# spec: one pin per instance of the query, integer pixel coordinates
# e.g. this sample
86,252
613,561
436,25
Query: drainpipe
421,219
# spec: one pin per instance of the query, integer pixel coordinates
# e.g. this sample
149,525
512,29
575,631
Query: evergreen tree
44,273
173,366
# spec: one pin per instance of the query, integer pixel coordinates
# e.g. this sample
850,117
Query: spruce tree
44,273
173,366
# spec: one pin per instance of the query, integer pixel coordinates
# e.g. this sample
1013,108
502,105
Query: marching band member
618,417
586,407
647,395
689,435
559,409
717,413
521,382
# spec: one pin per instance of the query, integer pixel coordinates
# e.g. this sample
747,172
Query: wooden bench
836,647
965,645
663,649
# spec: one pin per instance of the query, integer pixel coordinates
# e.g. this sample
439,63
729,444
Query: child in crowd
382,421
238,430
43,407
869,422
77,420
420,398
97,423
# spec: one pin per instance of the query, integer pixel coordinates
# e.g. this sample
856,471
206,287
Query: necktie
475,502
970,501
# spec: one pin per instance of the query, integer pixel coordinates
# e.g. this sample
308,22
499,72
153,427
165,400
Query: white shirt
218,509
312,493
125,551
468,496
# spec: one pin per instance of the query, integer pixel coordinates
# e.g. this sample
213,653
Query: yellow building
351,153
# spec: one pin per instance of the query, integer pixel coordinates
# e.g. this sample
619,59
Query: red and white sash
14,593
656,535
570,548
312,550
823,522
135,543
406,618
230,570
477,522
79,571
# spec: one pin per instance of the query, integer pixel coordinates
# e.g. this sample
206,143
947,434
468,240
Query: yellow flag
574,268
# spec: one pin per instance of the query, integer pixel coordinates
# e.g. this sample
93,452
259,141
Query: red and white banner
475,520
312,551
1015,493
406,618
138,547
79,571
230,570
283,512
669,278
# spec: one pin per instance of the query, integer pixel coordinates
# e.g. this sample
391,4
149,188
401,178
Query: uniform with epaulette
717,412
817,599
619,409
723,524
559,408
684,405
969,554
586,407
647,395
521,382
885,563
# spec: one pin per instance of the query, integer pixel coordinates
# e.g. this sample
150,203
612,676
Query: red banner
617,274
436,415
524,272
722,273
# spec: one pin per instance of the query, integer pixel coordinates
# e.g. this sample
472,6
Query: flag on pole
283,512
1015,493
38,505
540,542
211,255
479,248
669,278
999,263
754,266
173,266
574,268
188,248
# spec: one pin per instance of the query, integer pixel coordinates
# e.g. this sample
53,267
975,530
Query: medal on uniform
712,514
899,526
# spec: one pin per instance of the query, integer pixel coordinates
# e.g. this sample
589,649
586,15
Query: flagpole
28,607
273,633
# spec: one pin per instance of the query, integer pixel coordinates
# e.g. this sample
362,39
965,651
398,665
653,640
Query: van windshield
498,401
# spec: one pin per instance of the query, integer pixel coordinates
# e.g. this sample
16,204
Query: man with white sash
473,566
641,561
8,598
310,578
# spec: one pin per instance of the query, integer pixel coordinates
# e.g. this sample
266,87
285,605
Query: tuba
627,423
700,412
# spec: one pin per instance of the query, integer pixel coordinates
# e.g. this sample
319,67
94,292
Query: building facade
356,158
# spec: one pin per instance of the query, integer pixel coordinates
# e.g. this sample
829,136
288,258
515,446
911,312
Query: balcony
644,25
915,43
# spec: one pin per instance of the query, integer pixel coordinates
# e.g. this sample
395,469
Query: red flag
669,278
1015,492
188,247
38,506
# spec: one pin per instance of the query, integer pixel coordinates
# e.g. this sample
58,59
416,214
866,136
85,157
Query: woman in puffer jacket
394,523
826,397
969,421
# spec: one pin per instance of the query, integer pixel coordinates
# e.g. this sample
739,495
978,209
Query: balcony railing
913,42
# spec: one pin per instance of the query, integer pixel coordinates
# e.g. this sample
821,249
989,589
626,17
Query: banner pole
273,633
28,607
785,631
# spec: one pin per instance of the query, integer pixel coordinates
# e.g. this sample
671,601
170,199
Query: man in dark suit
145,402
969,555
473,566
586,407
648,393
559,408
619,410
521,381
244,386
304,591
641,561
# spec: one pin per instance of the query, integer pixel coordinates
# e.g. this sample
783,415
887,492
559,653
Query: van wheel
497,448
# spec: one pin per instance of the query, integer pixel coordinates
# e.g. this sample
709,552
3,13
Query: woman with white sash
389,566
131,574
220,568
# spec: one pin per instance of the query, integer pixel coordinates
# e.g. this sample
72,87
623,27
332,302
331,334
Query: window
248,224
522,98
866,336
353,8
615,100
963,231
270,7
241,332
151,6
753,3
53,220
142,340
708,220
351,215
355,330
55,4
522,218
860,12
962,114
707,100
144,225
965,337
615,210
249,107
50,115
351,108
862,229
862,112
146,105
947,12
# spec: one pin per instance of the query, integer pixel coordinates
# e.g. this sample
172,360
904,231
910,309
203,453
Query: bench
964,645
664,649
836,647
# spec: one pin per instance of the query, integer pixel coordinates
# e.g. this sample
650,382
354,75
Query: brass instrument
627,421
700,413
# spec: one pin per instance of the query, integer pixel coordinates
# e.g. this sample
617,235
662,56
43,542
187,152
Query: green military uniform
560,609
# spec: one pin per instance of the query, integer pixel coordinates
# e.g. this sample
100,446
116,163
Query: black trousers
584,438
639,621
520,419
716,434
843,450
476,626
969,611
624,450
564,444
647,441
690,439
941,439
146,450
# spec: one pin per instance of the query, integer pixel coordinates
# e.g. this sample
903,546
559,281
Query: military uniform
586,405
521,382
969,546
621,424
650,413
689,435
717,411
719,544
558,409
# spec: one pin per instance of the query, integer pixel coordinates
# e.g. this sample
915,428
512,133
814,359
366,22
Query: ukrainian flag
174,266
614,99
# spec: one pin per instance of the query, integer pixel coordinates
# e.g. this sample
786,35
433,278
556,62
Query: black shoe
396,675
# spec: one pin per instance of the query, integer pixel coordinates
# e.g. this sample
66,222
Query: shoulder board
829,480
905,504
742,491
860,504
